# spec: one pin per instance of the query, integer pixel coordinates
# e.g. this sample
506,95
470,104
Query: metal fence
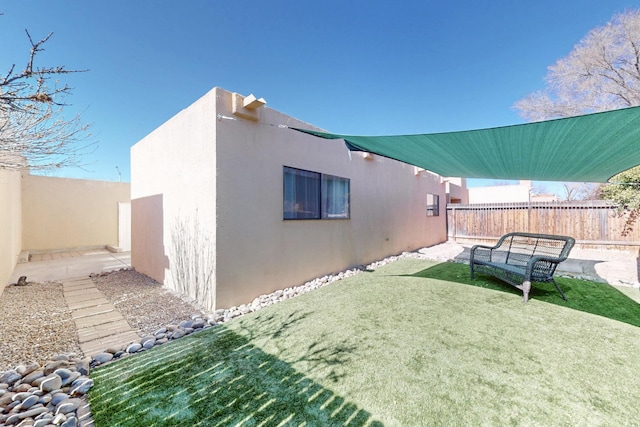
591,223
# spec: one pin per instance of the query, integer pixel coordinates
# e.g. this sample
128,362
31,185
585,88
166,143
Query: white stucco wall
258,251
173,185
231,173
10,223
500,193
60,213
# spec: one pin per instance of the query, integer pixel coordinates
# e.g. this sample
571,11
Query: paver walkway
99,324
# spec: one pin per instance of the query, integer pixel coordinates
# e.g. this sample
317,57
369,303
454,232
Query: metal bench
522,258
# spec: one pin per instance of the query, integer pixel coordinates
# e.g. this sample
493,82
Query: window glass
301,194
312,195
335,197
433,205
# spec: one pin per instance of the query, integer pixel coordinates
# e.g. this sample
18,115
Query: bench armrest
482,253
544,265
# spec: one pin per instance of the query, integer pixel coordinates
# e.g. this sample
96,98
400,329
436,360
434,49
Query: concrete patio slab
72,267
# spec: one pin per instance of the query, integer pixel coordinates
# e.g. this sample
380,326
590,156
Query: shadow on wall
220,377
147,237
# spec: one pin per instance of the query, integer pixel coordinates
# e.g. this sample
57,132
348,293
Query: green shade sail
589,148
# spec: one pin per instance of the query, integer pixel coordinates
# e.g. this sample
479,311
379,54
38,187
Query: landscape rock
50,383
102,357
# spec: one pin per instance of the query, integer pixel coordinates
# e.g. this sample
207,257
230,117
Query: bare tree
34,132
601,73
580,191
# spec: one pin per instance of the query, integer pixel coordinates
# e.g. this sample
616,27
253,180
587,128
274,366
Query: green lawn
410,344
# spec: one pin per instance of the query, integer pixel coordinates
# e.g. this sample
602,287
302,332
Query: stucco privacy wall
61,213
10,223
220,180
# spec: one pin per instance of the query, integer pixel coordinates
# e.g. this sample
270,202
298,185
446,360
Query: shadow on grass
591,297
220,378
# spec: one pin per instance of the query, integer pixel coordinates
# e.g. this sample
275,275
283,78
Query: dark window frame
433,204
321,203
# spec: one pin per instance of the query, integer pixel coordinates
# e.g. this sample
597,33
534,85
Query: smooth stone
62,373
114,349
160,331
147,338
149,344
59,419
71,378
178,333
59,397
71,422
31,377
20,396
50,383
30,401
50,367
23,387
68,405
42,422
12,419
29,368
34,412
82,387
10,377
6,399
83,366
103,357
134,347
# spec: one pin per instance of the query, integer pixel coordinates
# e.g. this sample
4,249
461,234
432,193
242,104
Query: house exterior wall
10,223
259,252
457,191
173,192
225,173
500,193
60,213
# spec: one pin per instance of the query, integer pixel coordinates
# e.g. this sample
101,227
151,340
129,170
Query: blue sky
355,67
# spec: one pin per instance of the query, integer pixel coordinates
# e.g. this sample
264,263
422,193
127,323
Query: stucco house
229,203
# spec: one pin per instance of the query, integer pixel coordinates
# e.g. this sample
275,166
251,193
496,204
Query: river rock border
55,394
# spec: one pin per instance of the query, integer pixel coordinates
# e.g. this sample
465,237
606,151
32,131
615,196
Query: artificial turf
407,345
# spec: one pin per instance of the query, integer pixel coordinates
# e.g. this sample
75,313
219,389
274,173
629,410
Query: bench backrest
520,247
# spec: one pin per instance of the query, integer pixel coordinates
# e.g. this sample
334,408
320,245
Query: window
433,205
312,195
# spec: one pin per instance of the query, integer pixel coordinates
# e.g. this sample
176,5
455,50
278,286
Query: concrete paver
99,324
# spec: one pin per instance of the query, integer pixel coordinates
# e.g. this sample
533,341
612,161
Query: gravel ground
36,325
143,302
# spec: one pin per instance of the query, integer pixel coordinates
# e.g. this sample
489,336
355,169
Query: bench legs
559,290
526,288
